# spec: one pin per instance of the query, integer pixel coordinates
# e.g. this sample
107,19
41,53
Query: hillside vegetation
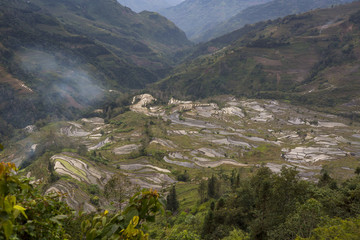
263,206
142,35
60,57
310,58
267,11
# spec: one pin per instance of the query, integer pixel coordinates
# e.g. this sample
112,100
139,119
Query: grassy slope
301,58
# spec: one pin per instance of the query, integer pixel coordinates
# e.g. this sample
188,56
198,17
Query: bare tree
117,190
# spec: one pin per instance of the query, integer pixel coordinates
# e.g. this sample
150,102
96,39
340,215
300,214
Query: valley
151,144
114,125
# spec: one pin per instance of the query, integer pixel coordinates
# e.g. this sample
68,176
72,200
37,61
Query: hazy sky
150,5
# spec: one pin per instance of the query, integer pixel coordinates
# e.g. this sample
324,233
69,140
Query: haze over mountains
149,5
197,16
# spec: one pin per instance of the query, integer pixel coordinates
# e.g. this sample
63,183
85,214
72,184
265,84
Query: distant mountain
310,59
149,5
270,10
59,57
197,16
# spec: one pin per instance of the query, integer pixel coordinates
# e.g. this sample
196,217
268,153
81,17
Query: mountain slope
197,16
270,10
149,5
118,27
57,67
311,58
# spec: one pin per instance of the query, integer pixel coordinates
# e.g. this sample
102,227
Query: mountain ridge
298,58
267,11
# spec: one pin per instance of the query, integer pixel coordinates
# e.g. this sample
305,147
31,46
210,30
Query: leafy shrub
94,189
336,229
26,214
142,207
185,235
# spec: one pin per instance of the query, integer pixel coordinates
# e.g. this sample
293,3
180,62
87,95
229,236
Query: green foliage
213,187
82,150
142,207
172,202
235,179
183,177
326,180
94,189
116,190
237,234
25,213
336,228
301,223
185,235
95,200
209,225
202,190
280,206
